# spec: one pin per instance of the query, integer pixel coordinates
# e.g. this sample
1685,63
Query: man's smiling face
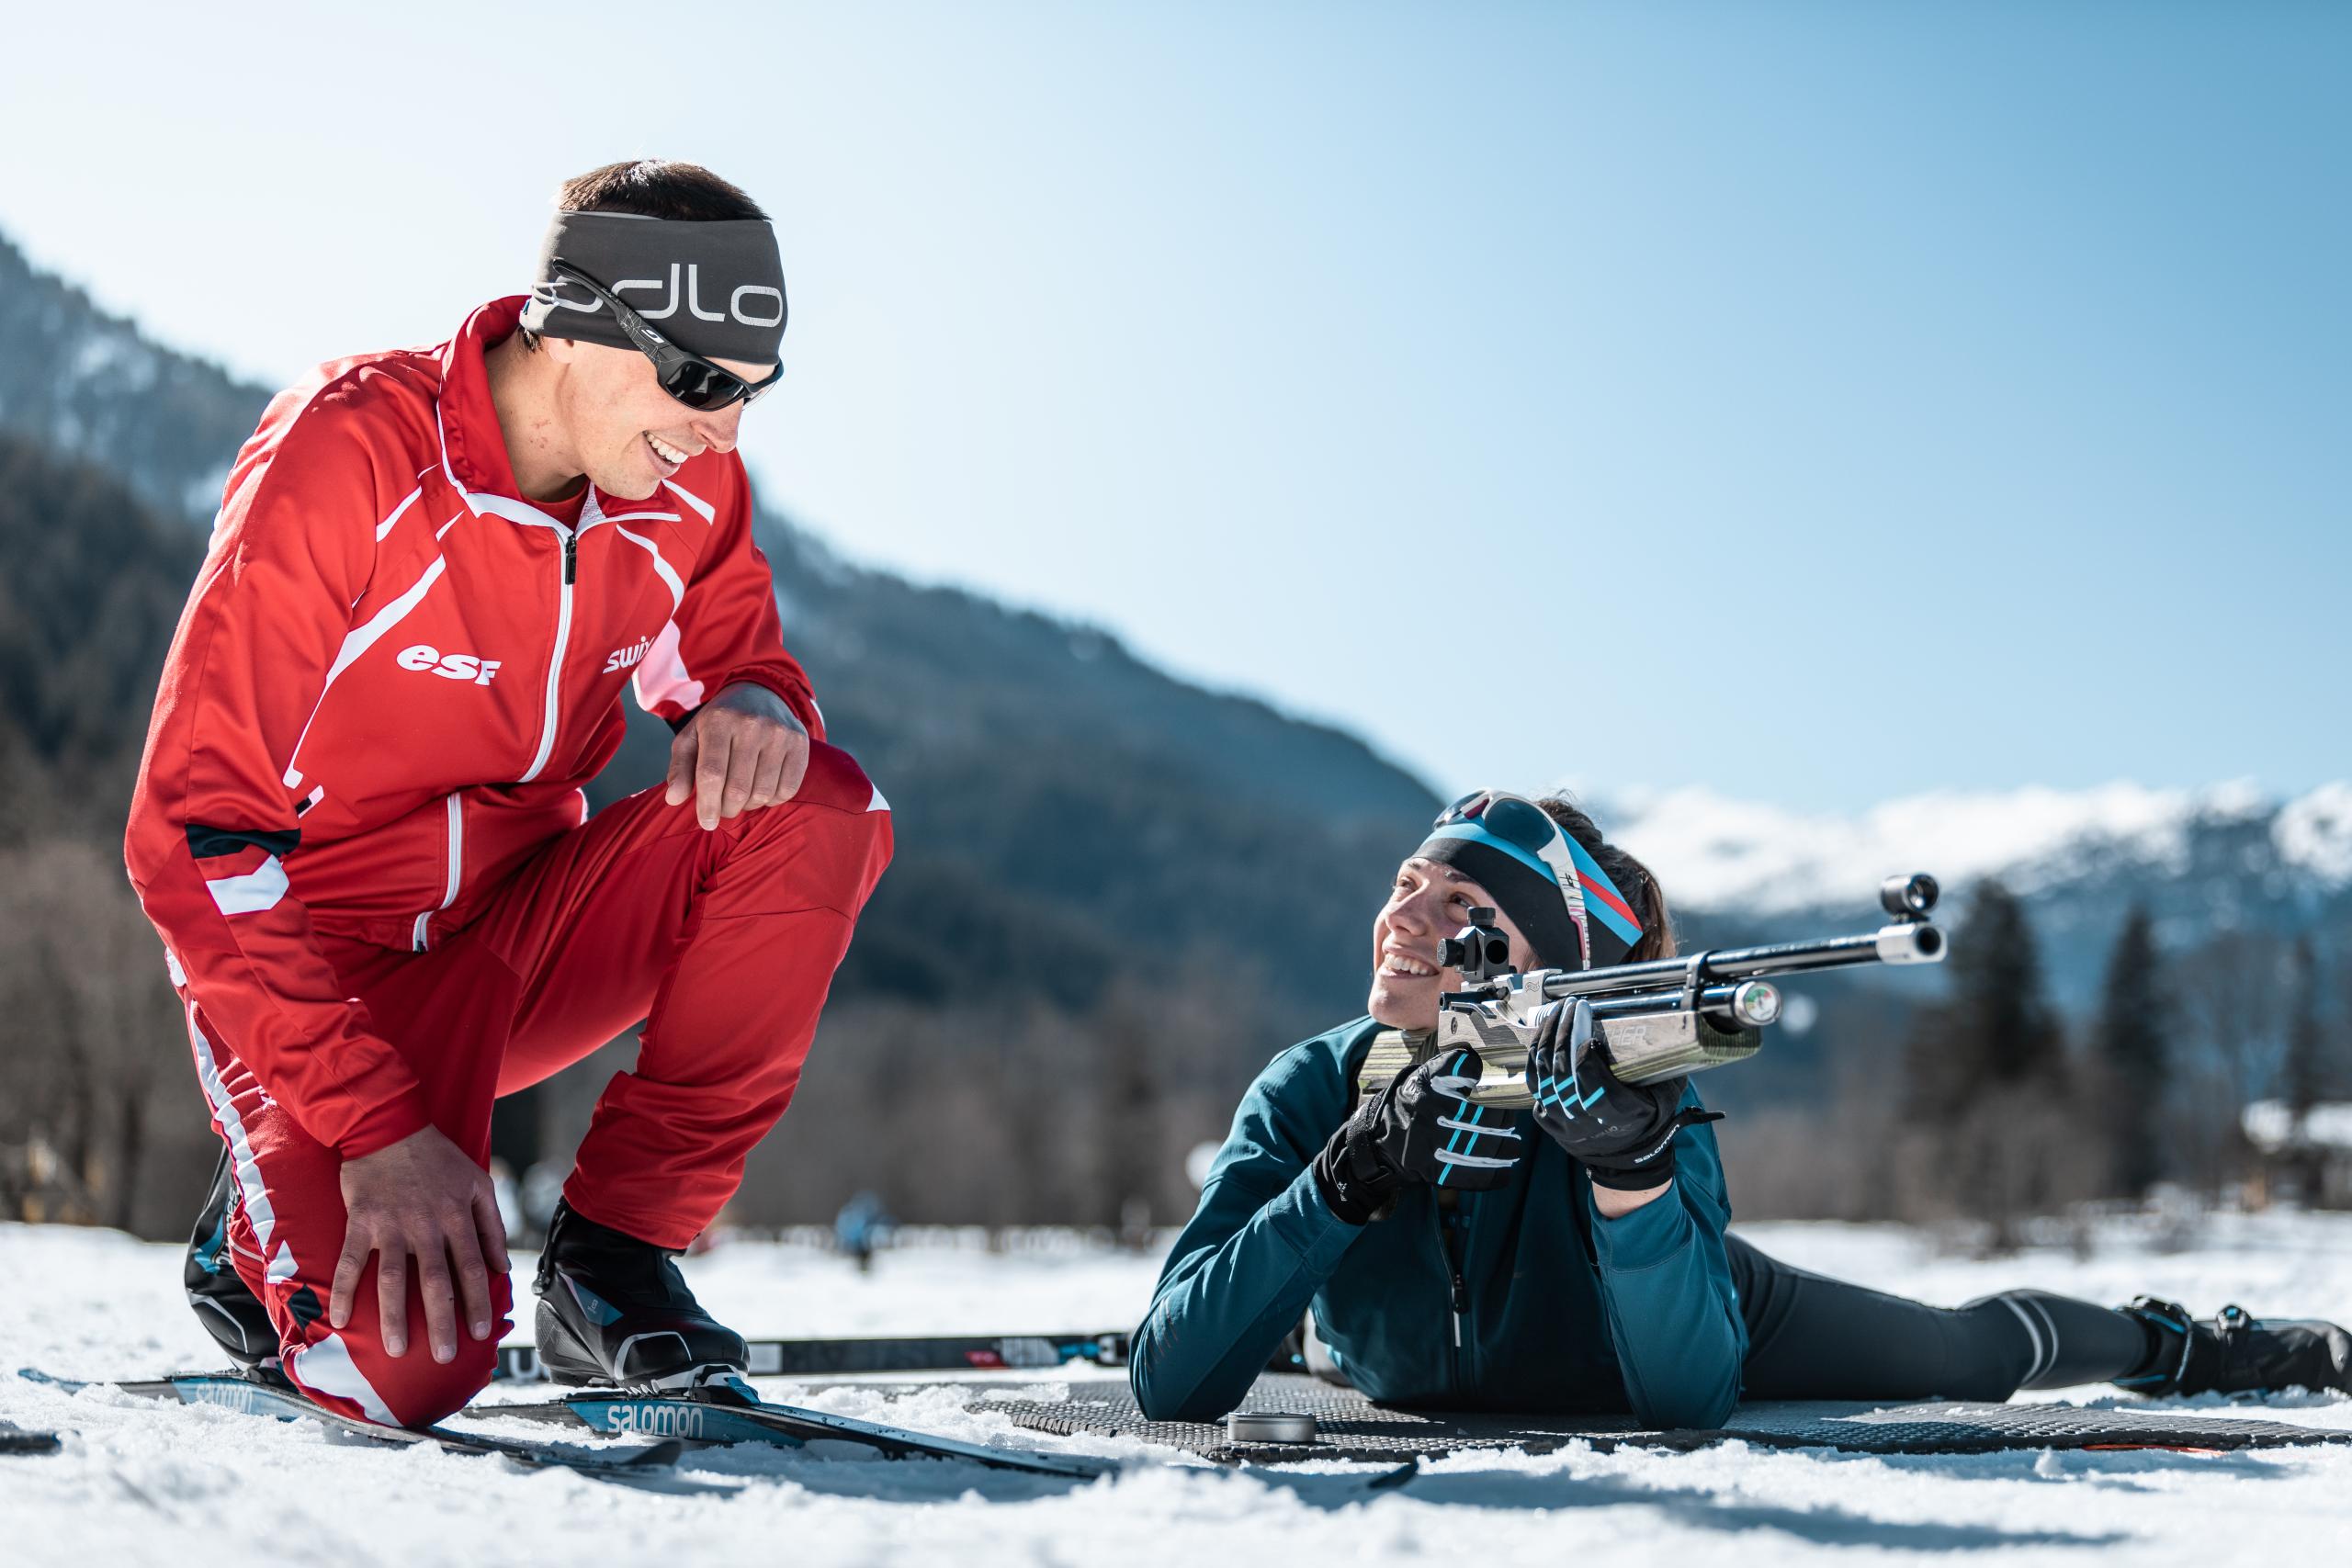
625,432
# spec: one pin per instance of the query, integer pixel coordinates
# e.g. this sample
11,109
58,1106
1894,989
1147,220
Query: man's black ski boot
616,1310
232,1314
2236,1353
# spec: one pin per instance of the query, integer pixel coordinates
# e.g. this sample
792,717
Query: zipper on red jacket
570,538
422,938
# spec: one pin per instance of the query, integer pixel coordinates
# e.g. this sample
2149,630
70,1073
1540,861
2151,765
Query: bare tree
2232,992
94,1035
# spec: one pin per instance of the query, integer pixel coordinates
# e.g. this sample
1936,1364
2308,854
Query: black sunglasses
689,378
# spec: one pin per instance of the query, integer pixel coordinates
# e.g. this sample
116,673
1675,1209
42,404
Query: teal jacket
1519,1298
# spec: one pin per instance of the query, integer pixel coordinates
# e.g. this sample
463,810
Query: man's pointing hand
744,750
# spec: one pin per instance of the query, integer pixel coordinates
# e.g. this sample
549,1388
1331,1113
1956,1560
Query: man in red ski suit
360,827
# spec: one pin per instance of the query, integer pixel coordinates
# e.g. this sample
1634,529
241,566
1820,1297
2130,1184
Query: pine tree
1127,1113
2336,1028
1998,1137
2302,1073
1996,1028
2307,1073
2130,1049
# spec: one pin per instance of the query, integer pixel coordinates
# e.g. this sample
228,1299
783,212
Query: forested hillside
1114,894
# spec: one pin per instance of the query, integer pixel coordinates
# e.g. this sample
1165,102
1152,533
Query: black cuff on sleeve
1359,1189
1657,1175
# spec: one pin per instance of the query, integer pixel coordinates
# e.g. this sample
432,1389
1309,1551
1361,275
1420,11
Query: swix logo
754,304
448,666
622,657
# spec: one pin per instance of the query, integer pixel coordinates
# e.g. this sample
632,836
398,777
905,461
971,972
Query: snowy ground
141,1483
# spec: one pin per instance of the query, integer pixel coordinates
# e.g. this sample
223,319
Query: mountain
94,587
79,382
2203,862
1031,754
1725,854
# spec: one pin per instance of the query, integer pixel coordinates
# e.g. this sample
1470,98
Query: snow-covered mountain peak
1712,852
2315,834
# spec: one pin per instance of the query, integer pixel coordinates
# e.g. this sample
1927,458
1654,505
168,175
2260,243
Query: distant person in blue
1574,1257
863,1225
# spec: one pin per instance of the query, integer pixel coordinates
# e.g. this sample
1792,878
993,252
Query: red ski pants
725,941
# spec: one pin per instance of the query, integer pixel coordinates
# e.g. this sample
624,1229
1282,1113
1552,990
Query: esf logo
754,304
622,657
448,666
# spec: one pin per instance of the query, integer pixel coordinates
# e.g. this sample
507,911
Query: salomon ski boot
2236,1353
230,1312
616,1310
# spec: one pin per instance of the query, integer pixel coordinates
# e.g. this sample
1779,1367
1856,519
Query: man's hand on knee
420,1198
743,750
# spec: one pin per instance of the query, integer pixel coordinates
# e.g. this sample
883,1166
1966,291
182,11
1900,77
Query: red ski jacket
390,681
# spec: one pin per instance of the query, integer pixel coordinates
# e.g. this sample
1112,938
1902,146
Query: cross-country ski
252,1395
730,1412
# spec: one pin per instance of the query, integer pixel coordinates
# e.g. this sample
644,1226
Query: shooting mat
1350,1427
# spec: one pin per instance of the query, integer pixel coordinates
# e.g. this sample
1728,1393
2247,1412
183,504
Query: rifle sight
1478,950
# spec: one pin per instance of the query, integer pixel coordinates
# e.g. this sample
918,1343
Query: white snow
115,353
141,1483
2315,832
1715,852
2271,1124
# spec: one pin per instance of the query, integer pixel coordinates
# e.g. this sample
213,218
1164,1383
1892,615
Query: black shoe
2236,1353
233,1314
616,1310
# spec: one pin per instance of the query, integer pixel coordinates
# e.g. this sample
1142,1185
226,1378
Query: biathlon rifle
1658,1019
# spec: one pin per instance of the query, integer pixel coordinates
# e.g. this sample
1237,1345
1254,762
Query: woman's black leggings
1811,1337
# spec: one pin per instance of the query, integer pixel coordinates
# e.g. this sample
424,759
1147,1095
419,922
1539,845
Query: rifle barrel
1904,942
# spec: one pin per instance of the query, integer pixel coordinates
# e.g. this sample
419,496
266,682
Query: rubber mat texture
1350,1427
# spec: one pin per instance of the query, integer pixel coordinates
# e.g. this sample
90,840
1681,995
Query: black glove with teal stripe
1622,1132
1419,1128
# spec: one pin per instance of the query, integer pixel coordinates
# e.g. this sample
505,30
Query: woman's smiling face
1428,903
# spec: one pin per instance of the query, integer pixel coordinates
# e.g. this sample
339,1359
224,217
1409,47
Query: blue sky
1816,402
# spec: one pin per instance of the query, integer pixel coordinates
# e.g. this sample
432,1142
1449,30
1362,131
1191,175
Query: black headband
1531,899
716,288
